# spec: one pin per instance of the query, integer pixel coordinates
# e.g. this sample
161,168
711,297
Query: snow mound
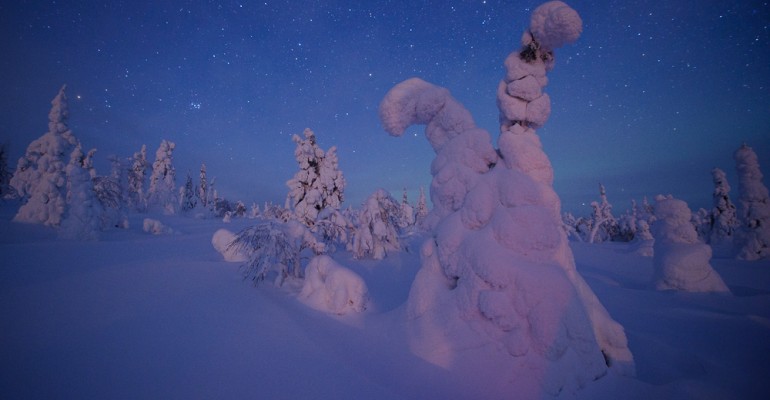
681,261
155,227
332,288
222,241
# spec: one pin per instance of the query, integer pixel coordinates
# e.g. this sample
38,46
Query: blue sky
649,100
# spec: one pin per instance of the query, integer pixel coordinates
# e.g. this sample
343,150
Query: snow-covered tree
421,212
203,189
724,219
406,217
187,197
376,231
754,238
274,248
40,179
318,184
497,240
604,225
5,175
137,200
162,192
333,228
82,218
681,261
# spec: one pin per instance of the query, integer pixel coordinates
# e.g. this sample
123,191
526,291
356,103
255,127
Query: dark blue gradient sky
652,96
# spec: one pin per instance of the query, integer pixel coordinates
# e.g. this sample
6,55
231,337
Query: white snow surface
140,316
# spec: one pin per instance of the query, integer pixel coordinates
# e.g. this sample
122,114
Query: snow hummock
222,242
332,288
681,260
151,225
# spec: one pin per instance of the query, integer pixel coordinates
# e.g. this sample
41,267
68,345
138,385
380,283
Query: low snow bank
222,241
332,288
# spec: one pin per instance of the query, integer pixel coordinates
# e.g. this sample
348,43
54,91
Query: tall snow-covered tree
82,218
604,224
162,192
724,218
754,209
496,237
40,179
376,232
318,184
422,207
137,200
406,216
203,188
187,197
5,174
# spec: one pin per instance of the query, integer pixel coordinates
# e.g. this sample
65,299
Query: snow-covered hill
136,315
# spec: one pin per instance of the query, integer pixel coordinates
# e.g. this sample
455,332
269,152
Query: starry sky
652,96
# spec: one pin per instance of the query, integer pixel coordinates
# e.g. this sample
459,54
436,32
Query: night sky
651,97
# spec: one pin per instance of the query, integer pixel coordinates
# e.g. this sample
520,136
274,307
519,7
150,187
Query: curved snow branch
416,102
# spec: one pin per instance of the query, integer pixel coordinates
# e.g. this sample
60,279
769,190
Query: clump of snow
222,242
155,227
498,270
332,288
554,24
681,260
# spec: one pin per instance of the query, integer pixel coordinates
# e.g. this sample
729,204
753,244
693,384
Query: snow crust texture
332,288
498,270
681,261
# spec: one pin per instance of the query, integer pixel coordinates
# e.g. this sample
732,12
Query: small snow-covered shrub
332,288
274,248
222,242
155,227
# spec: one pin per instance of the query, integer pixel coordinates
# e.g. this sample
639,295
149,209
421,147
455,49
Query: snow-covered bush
498,268
155,227
332,288
40,179
274,248
376,231
681,261
604,226
754,238
162,195
222,242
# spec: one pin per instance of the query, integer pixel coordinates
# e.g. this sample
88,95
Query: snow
554,24
222,241
142,316
332,288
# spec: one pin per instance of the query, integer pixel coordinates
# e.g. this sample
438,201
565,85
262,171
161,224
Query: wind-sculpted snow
498,270
554,24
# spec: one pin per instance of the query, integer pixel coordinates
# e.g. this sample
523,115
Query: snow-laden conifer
6,190
40,179
203,189
376,231
137,200
187,197
754,240
82,218
724,218
161,194
498,269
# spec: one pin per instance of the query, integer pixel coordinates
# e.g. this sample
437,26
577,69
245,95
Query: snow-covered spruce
318,184
161,196
681,261
81,221
6,190
376,231
40,179
332,288
754,236
724,218
498,270
137,201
